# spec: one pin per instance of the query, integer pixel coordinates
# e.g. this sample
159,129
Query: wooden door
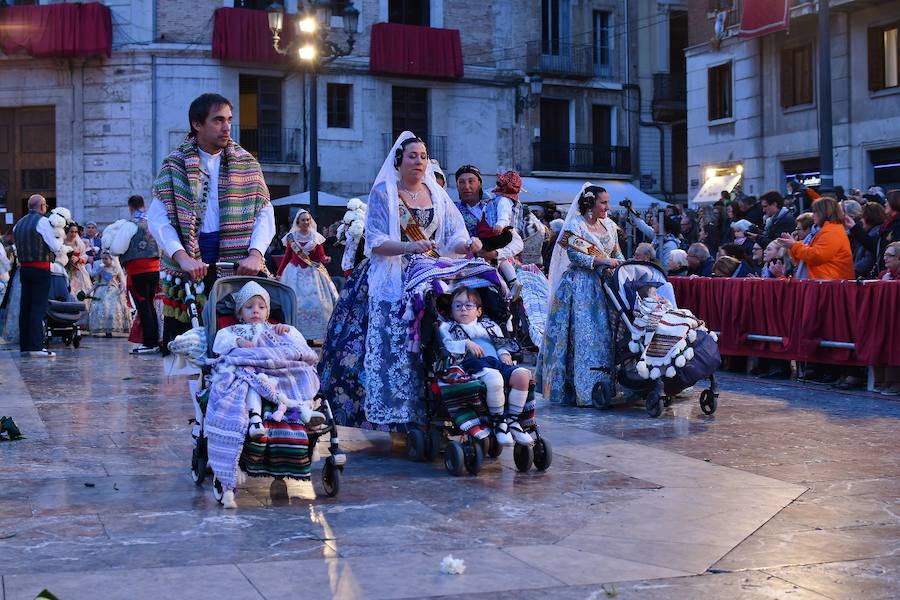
27,158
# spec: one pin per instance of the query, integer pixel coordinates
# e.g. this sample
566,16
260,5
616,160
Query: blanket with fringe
275,369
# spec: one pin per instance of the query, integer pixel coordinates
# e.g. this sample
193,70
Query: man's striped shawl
242,195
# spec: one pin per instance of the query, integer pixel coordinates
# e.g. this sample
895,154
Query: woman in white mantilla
302,268
368,368
578,341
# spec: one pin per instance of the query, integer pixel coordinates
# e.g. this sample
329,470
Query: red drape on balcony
242,34
399,49
803,313
761,17
56,30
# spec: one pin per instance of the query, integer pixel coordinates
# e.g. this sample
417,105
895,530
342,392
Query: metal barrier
870,370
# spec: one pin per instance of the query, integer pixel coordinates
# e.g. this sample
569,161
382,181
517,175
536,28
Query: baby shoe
501,432
518,434
311,418
256,429
228,499
8,426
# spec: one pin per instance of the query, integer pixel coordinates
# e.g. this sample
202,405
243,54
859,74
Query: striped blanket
282,370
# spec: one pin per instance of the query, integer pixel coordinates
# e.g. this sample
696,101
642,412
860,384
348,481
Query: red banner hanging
56,30
761,17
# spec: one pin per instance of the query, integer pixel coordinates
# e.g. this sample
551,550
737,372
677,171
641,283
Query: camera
626,203
754,230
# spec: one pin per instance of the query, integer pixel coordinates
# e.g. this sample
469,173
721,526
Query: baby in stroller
665,332
478,346
257,360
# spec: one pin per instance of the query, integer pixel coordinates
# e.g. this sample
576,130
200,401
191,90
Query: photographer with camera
660,233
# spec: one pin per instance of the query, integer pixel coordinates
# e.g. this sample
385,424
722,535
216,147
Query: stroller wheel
331,478
491,447
474,457
199,461
523,456
218,492
67,340
415,445
433,442
543,454
708,402
599,397
654,404
454,458
76,341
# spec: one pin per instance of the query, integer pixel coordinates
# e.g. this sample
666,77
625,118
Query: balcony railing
565,60
270,145
582,158
669,97
436,145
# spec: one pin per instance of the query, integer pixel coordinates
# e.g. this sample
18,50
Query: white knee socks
517,399
493,381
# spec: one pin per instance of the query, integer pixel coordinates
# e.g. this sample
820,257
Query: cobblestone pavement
788,491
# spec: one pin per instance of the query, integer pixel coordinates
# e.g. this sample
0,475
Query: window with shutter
884,56
796,76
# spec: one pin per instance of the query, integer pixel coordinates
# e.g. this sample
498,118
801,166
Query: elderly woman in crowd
827,254
577,350
678,263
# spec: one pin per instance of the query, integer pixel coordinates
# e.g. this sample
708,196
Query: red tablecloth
801,312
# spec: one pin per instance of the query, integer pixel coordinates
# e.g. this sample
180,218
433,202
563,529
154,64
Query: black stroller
656,393
452,407
277,458
63,315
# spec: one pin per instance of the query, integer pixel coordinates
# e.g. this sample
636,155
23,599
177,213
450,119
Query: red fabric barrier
56,30
399,49
243,35
803,313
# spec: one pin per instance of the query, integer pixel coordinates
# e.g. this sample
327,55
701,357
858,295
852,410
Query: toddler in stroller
668,349
256,415
477,344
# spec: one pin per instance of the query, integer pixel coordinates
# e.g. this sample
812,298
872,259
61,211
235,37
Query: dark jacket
755,215
876,245
782,222
705,268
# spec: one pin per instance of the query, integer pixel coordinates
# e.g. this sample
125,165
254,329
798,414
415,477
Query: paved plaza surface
788,491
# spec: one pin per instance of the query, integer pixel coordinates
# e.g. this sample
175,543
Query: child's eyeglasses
465,306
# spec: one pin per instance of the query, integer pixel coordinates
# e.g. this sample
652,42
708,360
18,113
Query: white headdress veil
559,262
312,236
386,272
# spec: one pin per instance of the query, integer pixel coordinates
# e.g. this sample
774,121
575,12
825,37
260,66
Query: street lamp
532,94
312,46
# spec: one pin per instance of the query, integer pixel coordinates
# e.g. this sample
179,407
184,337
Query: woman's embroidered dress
579,336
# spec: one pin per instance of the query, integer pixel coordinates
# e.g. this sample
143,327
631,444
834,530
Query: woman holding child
579,338
371,366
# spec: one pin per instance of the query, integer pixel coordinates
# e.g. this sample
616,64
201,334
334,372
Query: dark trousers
143,289
35,294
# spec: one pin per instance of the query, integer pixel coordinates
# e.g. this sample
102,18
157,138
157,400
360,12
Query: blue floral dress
372,380
579,336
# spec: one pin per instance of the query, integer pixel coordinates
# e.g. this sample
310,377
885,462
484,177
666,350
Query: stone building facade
107,122
753,103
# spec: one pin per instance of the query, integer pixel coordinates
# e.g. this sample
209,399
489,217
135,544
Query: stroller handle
191,302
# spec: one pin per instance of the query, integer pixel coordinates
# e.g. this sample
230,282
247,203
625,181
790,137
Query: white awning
302,199
562,191
712,189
